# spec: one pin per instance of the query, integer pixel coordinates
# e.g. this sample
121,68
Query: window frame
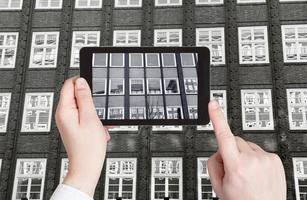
296,40
118,107
197,2
105,87
178,86
73,45
7,111
185,79
146,60
104,111
88,5
181,60
100,66
167,128
18,161
28,95
147,84
64,171
110,87
168,4
271,114
126,32
143,84
167,44
138,107
296,105
200,176
153,176
130,64
33,46
174,59
48,7
296,176
253,41
15,8
111,64
170,107
4,47
128,5
0,165
250,1
124,128
210,43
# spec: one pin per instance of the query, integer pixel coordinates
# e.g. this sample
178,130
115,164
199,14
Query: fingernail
215,104
81,83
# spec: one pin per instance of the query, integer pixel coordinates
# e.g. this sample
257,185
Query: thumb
216,172
84,100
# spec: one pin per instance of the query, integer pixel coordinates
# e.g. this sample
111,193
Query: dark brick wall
144,143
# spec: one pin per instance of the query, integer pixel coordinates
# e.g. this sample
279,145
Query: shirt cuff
69,193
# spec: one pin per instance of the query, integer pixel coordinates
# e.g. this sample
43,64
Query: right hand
241,170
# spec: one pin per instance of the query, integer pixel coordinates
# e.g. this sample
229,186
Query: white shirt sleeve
65,192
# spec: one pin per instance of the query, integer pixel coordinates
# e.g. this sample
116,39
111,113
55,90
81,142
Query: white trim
167,33
166,176
88,6
44,46
295,40
200,176
0,165
160,109
250,1
190,78
123,113
138,107
174,59
127,35
158,56
49,5
107,59
302,106
256,106
111,64
105,87
148,79
209,2
86,40
64,170
128,5
177,82
4,46
130,54
253,43
291,0
110,87
168,3
170,107
166,128
12,8
44,162
297,176
137,79
7,110
124,128
181,59
25,108
120,176
103,110
211,41
192,107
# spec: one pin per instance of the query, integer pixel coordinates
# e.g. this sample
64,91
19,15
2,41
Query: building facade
258,75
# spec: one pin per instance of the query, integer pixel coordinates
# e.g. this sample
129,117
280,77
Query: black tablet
148,85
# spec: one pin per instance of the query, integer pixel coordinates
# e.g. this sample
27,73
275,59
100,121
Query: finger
67,97
225,139
255,147
107,134
243,145
216,172
87,112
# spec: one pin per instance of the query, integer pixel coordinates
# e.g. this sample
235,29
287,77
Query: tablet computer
148,85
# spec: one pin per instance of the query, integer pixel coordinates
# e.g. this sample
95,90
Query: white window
193,112
5,99
290,0
44,49
191,85
253,45
294,39
128,3
154,86
187,60
64,169
166,128
300,177
156,112
169,60
0,165
166,178
168,37
257,112
82,39
137,86
174,112
120,178
209,2
214,39
168,2
8,49
117,60
250,1
88,3
136,60
100,112
10,4
297,108
123,128
221,98
171,86
100,59
205,190
127,38
99,86
48,4
29,179
137,113
116,113
116,86
152,60
37,112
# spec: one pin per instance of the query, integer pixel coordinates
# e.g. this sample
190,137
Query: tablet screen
148,86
